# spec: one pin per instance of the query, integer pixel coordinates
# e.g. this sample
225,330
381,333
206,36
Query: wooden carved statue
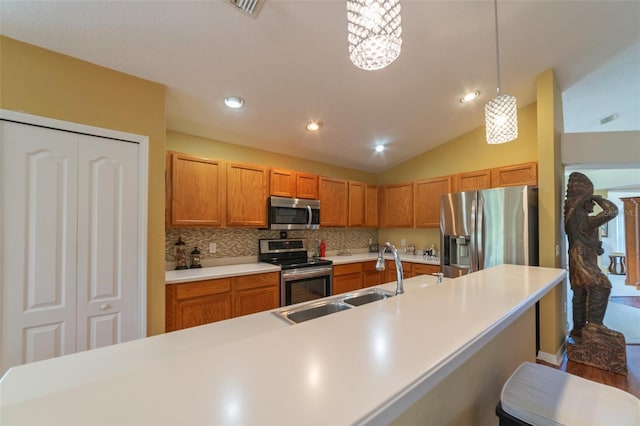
591,341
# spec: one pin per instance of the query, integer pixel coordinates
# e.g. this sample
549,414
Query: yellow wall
470,152
553,317
465,153
46,83
205,147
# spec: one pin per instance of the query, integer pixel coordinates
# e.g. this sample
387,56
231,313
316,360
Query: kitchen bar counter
226,271
366,364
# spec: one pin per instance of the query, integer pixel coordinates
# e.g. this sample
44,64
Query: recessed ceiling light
379,148
469,97
314,126
233,102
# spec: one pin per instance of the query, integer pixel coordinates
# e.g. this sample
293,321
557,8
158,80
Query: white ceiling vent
250,7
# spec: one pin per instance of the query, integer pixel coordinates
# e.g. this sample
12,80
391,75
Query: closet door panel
39,179
107,242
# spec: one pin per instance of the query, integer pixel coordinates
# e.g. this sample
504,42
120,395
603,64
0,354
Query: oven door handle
306,274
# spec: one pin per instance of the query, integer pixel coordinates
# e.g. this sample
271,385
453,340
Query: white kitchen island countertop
351,367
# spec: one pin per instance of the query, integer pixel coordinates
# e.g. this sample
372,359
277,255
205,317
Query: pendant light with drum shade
375,33
501,112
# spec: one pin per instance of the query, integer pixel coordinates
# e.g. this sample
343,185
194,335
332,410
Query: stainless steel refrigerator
480,229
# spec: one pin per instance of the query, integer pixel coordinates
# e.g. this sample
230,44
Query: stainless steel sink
313,310
366,297
320,308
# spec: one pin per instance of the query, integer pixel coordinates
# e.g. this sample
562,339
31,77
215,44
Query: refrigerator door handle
480,233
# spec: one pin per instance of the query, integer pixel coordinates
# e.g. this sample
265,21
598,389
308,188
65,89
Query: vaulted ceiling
291,65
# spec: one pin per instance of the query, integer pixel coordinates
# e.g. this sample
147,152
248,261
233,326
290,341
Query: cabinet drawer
370,265
256,300
345,283
406,266
420,269
256,281
191,313
202,288
349,268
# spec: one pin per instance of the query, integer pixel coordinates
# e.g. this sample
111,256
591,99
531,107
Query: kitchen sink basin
367,297
311,311
317,309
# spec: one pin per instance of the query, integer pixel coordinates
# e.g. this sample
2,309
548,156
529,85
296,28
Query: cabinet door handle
104,306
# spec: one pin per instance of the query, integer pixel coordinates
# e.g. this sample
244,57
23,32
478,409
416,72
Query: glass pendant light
501,112
374,32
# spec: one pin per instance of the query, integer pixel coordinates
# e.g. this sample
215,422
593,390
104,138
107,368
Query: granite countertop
351,367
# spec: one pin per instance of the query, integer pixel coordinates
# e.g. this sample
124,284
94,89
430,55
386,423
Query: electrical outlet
212,248
557,250
403,242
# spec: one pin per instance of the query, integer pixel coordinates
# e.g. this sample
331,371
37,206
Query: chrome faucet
380,263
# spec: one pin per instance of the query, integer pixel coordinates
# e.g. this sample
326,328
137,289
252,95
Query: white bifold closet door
70,242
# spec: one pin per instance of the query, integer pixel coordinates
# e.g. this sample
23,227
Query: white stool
539,395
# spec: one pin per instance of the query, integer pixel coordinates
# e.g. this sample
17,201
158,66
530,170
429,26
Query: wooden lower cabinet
203,310
347,277
256,293
371,275
424,269
391,273
202,302
197,303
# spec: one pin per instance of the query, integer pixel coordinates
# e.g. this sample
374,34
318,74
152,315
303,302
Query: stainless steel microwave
293,213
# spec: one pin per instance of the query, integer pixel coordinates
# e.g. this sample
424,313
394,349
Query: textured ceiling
291,65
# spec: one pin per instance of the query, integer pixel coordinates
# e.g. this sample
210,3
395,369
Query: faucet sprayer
380,264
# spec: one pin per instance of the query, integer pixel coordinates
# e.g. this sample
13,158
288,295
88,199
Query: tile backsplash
238,242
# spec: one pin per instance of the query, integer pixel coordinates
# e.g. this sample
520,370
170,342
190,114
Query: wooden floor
627,300
630,382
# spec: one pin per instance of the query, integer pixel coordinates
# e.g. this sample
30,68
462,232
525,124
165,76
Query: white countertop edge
404,399
215,272
239,269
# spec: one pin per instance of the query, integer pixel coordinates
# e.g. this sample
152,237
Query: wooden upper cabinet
426,203
306,185
247,192
371,206
471,181
397,205
287,183
195,190
282,183
333,194
356,203
518,174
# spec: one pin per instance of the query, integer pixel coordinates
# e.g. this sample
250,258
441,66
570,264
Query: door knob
104,306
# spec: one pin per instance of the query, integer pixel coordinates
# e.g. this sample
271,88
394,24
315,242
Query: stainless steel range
302,278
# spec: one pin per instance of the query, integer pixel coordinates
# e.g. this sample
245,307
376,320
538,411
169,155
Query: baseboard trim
551,358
